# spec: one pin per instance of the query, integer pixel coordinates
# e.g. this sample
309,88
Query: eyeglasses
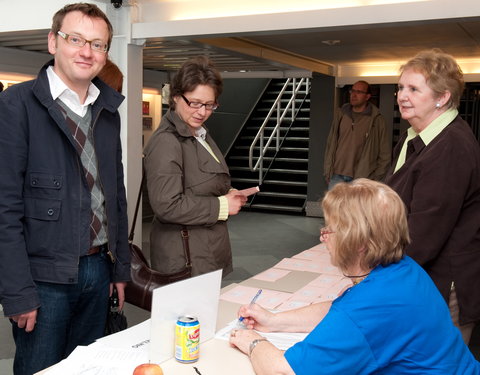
77,41
353,91
198,105
324,232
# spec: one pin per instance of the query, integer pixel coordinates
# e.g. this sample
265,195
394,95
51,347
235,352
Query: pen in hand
254,299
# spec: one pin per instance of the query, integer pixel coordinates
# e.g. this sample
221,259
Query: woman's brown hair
195,71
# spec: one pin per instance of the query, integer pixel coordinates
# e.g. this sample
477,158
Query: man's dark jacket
44,197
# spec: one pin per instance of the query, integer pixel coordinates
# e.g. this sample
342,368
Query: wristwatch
253,344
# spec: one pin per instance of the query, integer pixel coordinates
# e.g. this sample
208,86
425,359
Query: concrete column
128,55
322,104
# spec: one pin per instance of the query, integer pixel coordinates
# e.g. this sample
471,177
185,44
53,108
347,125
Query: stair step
273,119
299,149
290,171
298,99
271,148
235,168
298,139
282,128
281,195
292,160
269,158
276,207
253,181
286,183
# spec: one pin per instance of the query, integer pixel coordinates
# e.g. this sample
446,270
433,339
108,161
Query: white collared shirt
59,89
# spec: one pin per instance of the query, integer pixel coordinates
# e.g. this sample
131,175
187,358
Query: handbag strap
184,231
186,247
137,205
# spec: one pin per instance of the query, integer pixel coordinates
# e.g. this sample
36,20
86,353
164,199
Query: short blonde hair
441,72
366,215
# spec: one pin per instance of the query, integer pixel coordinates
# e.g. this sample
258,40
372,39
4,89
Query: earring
437,105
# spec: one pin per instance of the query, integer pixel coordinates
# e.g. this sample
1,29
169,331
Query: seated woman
392,320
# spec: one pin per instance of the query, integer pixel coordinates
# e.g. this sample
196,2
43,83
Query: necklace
357,278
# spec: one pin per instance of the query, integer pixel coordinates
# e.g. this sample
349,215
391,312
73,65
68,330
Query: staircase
282,171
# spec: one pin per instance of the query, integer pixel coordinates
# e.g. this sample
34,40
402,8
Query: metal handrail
276,131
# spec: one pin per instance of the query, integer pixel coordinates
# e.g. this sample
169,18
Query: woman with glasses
188,180
392,320
436,171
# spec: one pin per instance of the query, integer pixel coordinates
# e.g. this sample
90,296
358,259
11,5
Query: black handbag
143,278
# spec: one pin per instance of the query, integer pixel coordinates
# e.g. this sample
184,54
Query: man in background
63,218
358,144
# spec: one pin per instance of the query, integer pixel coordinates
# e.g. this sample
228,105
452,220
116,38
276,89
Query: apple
148,369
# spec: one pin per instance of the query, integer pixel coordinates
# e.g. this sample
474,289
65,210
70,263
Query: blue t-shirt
393,322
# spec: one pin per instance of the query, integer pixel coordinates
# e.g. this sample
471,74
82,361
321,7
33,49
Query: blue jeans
69,315
337,178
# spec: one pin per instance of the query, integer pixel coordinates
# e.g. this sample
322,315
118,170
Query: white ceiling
399,41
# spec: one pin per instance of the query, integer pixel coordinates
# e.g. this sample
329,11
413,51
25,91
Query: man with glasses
358,144
63,218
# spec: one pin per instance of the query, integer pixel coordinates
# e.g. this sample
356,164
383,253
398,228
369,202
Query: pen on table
197,371
254,299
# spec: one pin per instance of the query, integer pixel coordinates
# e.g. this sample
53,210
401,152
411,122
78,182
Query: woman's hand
242,338
256,317
266,358
235,201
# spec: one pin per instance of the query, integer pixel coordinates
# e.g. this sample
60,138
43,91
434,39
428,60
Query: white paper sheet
135,337
97,360
282,340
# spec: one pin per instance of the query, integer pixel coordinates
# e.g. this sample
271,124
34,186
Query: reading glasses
198,105
78,41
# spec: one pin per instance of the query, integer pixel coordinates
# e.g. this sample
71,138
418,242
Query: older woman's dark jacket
44,197
440,185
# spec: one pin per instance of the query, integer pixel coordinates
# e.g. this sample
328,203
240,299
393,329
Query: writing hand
256,317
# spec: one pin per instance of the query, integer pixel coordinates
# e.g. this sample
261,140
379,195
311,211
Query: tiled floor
259,241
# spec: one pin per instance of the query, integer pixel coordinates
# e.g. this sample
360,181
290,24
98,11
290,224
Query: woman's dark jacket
440,185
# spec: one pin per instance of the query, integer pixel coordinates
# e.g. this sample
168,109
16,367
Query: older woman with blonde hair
392,320
436,172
